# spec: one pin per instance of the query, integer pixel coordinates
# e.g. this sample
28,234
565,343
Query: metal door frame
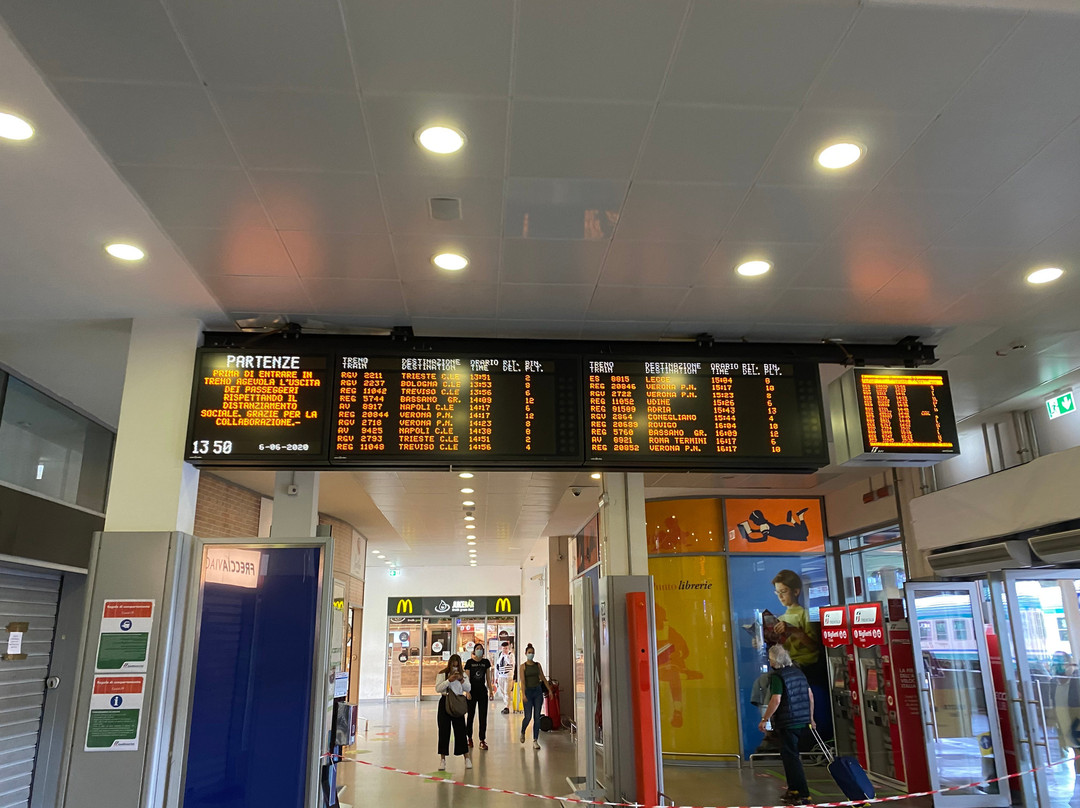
1028,697
1003,797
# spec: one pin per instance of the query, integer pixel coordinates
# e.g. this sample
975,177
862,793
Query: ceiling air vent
1057,548
445,208
1005,555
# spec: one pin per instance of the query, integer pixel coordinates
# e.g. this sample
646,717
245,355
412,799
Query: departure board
703,412
456,409
906,411
252,406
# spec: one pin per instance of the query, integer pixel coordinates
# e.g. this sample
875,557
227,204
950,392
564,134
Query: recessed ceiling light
376,552
471,537
440,139
472,563
466,490
1045,275
470,543
125,252
389,563
466,475
470,518
751,268
12,127
596,475
840,155
450,261
468,503
472,552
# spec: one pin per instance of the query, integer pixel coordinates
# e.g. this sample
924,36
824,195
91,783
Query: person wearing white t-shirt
452,678
504,674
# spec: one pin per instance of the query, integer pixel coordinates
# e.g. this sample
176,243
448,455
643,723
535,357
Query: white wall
1057,435
846,513
534,601
424,582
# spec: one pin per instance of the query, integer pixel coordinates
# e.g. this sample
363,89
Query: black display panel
456,409
906,411
703,412
251,406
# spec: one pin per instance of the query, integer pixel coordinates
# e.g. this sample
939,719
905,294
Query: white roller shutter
25,597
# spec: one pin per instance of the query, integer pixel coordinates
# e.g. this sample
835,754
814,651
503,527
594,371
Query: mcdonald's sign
502,605
404,606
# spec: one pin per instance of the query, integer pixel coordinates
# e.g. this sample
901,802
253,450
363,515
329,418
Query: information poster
116,704
772,525
124,637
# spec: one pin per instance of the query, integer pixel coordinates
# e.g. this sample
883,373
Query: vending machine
840,657
887,693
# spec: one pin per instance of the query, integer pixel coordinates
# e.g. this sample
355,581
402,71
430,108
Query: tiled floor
404,735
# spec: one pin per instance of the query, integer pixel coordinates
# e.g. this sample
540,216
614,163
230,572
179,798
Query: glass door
1044,612
960,720
435,652
403,657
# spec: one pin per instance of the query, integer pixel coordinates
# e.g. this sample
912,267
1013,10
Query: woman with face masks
478,669
452,678
535,684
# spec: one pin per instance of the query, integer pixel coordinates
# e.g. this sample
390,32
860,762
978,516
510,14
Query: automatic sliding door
960,721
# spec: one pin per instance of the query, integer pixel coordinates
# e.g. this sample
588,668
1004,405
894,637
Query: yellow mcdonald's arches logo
502,605
404,606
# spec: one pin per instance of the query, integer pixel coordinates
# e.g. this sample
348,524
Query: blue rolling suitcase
847,773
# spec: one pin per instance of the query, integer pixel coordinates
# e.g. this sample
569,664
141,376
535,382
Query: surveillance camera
293,490
576,492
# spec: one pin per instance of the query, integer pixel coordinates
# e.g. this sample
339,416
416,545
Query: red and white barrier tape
575,800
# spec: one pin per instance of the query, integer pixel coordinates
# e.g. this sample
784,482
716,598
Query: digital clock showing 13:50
255,406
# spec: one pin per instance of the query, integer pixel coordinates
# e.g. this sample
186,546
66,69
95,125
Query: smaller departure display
906,411
255,406
703,412
460,408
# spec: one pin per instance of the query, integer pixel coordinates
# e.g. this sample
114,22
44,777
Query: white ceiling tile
474,300
1061,248
710,144
907,303
550,301
885,137
249,43
942,273
1036,70
414,255
612,49
638,303
296,131
342,203
688,330
678,211
900,58
733,306
654,263
340,255
787,258
763,52
535,261
454,327
394,121
975,150
780,213
133,41
575,139
249,292
151,124
538,329
407,200
431,46
862,265
562,209
622,329
902,218
356,297
243,251
197,197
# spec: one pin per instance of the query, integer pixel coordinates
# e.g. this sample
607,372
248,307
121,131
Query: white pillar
623,544
151,487
296,504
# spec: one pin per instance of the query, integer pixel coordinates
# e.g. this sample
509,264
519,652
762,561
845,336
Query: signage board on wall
116,704
835,631
454,605
775,525
124,635
232,567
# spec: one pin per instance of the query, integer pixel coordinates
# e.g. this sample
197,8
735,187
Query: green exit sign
393,573
1060,405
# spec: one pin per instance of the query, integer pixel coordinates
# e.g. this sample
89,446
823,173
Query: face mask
478,653
530,657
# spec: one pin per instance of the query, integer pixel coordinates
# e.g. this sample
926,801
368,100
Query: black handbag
456,705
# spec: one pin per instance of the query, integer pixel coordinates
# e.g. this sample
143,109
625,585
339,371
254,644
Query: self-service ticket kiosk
886,695
840,657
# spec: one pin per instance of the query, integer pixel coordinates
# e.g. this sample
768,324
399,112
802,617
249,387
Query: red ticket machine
889,696
840,656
